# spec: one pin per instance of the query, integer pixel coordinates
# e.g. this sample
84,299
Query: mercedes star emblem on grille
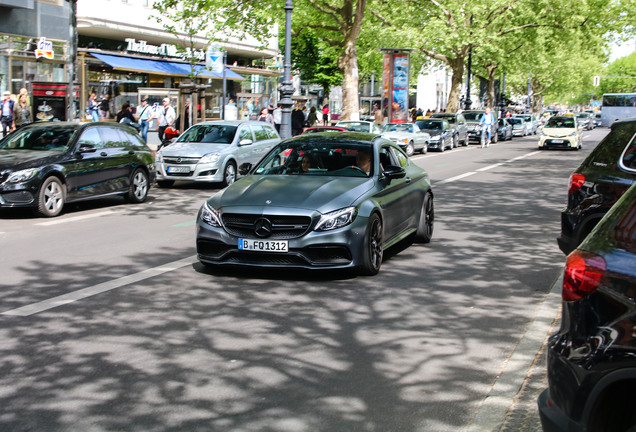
263,227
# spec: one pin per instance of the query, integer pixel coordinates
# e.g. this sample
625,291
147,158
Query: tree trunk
491,85
348,62
457,67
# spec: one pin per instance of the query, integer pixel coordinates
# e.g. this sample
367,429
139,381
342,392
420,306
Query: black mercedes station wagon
48,164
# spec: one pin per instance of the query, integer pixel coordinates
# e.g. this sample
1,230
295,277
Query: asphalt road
108,323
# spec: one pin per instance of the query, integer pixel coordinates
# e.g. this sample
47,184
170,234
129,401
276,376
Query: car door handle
131,152
103,154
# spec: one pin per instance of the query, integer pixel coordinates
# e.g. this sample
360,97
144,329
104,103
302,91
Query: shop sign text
166,50
44,49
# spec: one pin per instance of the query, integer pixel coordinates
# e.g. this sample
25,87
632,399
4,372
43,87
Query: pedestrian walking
6,113
312,118
22,112
278,117
325,115
144,116
487,120
297,120
167,117
93,107
266,116
104,107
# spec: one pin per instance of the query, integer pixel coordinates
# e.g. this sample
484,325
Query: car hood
23,159
397,135
323,194
558,132
432,132
193,149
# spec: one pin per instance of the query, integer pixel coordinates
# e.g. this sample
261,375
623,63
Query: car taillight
575,183
582,276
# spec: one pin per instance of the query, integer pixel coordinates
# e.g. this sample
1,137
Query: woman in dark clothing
126,112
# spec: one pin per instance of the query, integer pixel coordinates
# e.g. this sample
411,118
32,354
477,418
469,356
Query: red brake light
575,183
583,274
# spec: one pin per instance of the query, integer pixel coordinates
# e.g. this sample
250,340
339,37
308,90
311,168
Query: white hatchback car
561,132
212,151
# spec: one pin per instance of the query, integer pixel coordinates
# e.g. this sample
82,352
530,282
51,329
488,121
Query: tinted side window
609,150
91,137
259,133
629,156
132,141
110,137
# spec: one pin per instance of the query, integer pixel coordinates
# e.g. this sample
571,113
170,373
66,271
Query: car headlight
435,138
210,216
573,134
337,219
22,175
159,158
210,158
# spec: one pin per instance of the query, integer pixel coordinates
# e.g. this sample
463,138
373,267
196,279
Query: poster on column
400,96
386,82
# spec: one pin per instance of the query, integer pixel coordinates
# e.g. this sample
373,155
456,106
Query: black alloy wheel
424,232
373,247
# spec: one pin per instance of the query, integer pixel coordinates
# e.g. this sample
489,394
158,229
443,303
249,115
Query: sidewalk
512,402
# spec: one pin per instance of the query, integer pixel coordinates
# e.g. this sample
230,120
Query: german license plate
262,245
178,169
557,141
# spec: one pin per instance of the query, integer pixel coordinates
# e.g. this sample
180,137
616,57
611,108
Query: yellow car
561,132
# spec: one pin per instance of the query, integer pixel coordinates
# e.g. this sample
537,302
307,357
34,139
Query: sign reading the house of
166,50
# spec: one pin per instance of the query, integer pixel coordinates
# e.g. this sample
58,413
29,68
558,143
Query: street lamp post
287,89
468,102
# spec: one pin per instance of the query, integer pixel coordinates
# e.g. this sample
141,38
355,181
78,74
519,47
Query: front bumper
193,172
336,249
568,142
432,145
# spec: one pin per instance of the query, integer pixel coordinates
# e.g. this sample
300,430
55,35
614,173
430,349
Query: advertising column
395,85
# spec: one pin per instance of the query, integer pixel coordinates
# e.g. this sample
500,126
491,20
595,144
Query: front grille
188,174
551,143
181,160
19,197
282,227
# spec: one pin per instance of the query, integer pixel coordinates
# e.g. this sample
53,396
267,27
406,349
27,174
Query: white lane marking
459,177
98,289
490,167
76,218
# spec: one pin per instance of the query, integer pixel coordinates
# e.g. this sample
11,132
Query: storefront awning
160,67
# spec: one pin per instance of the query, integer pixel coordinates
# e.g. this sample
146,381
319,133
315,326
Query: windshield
398,127
215,133
450,118
48,138
560,122
473,115
429,124
515,121
319,157
355,126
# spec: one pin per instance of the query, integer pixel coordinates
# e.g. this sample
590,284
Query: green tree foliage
315,60
622,67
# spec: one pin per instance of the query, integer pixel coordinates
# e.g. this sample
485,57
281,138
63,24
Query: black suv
592,358
458,124
607,172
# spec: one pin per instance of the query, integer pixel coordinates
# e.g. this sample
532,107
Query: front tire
51,197
229,174
410,149
139,187
424,232
372,248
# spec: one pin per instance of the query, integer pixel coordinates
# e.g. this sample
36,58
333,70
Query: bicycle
485,135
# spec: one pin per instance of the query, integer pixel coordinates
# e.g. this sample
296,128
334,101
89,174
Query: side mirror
244,168
87,148
245,142
394,172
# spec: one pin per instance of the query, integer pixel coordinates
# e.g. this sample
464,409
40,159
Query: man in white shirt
166,118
